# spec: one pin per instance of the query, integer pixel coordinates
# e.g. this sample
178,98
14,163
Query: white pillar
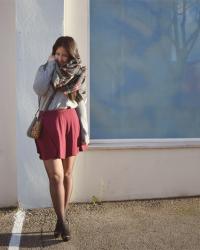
76,24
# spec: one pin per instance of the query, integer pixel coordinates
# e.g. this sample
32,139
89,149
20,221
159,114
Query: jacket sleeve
82,114
43,78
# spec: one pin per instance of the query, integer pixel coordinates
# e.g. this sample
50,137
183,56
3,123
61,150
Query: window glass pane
145,69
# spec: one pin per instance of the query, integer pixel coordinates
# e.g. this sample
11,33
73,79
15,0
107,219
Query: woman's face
61,56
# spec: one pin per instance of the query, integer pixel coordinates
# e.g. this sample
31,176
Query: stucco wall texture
38,25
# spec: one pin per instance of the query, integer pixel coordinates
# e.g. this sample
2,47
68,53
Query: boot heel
56,235
57,231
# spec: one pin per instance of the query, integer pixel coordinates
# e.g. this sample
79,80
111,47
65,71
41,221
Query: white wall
125,174
8,174
38,25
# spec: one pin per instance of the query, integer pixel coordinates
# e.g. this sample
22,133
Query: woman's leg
55,173
68,164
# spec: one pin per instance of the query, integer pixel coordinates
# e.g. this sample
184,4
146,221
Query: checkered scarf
69,78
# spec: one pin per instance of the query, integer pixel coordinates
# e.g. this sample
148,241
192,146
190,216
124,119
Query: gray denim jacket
44,90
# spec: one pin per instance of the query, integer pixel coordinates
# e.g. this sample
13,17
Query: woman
64,123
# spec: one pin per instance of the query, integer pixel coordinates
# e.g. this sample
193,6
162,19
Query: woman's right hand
51,58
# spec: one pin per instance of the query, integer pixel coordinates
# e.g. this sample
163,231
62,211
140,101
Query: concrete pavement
165,224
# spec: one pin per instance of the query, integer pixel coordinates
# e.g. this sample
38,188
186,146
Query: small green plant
95,200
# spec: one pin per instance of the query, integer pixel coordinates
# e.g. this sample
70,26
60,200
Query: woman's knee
56,178
68,165
68,174
54,170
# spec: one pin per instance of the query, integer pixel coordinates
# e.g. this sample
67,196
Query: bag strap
48,102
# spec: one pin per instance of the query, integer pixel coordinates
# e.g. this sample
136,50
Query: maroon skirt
60,135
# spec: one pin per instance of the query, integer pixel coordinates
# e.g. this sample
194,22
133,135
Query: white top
44,90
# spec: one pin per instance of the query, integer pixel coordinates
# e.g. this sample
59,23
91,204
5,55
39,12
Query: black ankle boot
65,232
57,230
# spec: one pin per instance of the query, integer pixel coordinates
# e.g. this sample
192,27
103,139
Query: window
144,69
